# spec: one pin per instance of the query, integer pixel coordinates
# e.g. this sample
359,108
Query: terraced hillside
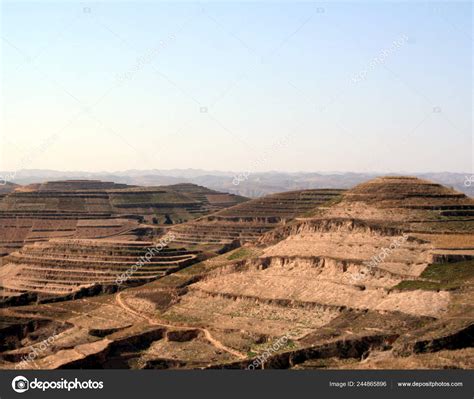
6,187
61,267
410,203
58,209
95,209
213,199
342,287
170,204
247,221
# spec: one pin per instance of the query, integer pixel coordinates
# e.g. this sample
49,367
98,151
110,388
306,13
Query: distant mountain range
249,185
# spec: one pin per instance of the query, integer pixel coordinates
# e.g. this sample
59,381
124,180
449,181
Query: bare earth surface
377,277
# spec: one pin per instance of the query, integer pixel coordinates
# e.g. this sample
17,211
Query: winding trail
213,341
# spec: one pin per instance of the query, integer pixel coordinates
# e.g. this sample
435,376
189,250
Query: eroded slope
345,287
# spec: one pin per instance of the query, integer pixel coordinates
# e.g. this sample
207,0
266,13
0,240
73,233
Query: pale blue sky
237,86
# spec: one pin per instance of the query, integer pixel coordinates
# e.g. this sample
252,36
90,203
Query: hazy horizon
282,171
261,86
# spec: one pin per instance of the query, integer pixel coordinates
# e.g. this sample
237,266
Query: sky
258,86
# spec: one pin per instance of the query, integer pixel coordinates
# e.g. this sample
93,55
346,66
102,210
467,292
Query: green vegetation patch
180,318
442,276
333,201
319,208
174,280
446,225
450,271
411,285
269,347
241,253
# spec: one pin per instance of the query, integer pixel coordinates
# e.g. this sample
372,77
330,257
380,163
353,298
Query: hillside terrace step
170,205
104,245
448,207
218,232
105,251
99,226
227,236
221,226
89,263
219,237
45,217
66,256
99,259
119,256
207,241
41,282
27,250
45,289
7,292
223,234
104,267
52,230
107,243
52,212
41,268
84,273
54,261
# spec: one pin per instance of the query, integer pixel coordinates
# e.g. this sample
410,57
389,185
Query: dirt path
214,342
